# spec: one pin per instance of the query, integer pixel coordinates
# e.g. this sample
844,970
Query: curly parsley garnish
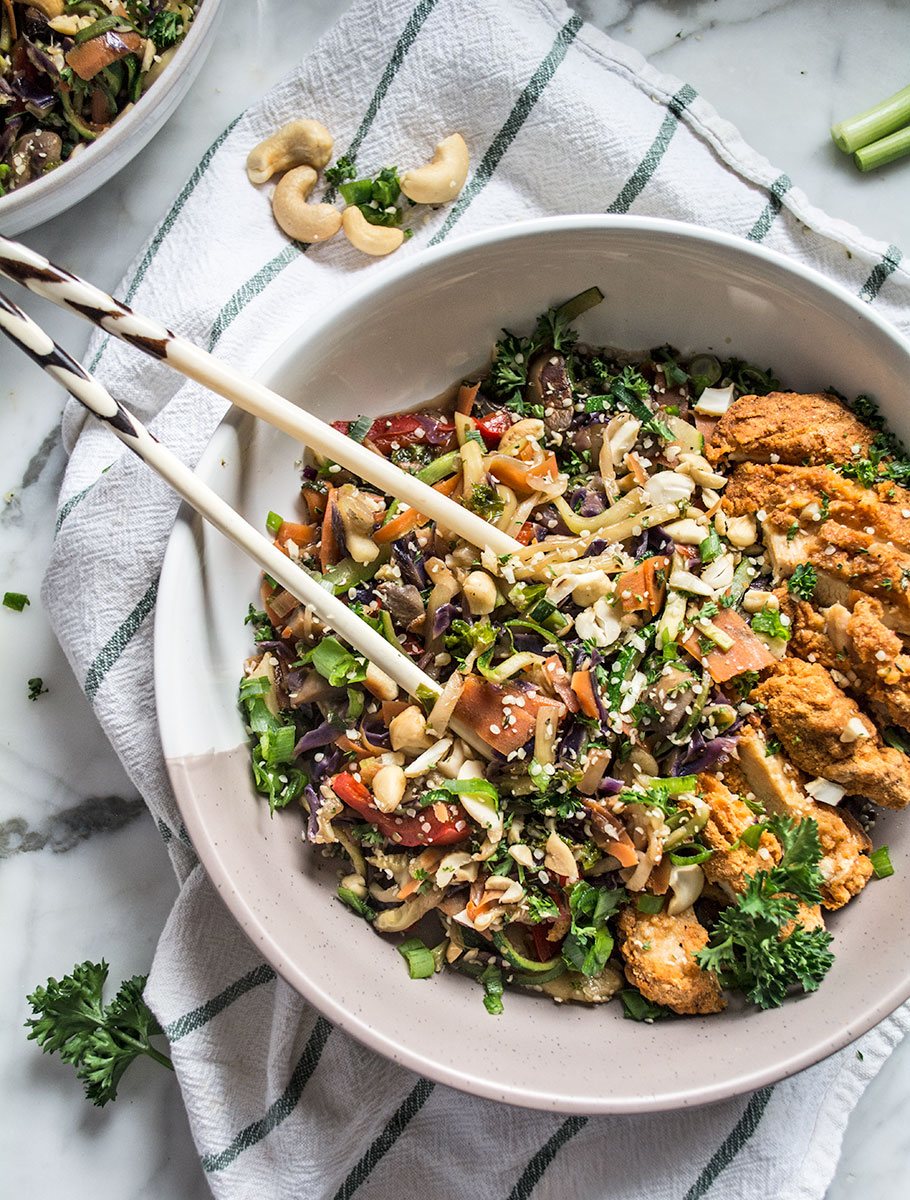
72,1020
747,949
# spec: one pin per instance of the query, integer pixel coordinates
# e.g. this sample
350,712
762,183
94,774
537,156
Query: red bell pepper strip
425,829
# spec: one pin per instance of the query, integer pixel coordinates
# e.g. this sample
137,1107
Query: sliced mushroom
33,154
548,385
404,603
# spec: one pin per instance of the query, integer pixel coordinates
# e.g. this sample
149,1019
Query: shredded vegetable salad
693,659
70,68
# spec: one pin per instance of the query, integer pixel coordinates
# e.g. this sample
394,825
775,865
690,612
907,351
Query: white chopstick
19,263
333,612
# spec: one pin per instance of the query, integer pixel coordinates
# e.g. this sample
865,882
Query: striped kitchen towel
559,119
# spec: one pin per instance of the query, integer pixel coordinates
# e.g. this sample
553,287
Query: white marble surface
83,873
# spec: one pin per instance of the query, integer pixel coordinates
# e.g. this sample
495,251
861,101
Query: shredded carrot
544,472
510,472
290,531
410,518
583,687
620,846
399,526
644,586
467,394
748,652
315,502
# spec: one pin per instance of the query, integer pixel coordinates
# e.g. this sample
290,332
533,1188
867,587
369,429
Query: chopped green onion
421,964
873,124
440,467
273,522
492,987
649,904
352,900
36,688
881,863
689,854
15,600
471,787
278,745
103,25
360,428
712,547
885,150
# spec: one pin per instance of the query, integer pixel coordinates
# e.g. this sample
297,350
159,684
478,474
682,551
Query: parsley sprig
747,950
100,1040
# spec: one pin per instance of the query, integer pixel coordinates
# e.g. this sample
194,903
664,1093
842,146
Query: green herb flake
15,600
803,581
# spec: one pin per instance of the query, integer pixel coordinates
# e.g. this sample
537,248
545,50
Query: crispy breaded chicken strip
862,653
788,427
659,955
728,868
877,655
856,538
730,816
809,712
845,865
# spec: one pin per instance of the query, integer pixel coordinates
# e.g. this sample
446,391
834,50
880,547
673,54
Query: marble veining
83,870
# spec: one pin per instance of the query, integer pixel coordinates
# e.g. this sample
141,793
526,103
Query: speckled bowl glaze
418,326
97,163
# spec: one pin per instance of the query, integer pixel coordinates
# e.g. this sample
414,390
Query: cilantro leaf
100,1041
770,622
589,942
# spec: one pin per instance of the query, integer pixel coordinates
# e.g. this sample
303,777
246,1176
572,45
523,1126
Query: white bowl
102,159
396,343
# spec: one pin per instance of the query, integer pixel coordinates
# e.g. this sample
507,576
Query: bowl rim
71,174
749,1077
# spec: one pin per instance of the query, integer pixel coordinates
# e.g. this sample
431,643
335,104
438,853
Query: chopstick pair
72,293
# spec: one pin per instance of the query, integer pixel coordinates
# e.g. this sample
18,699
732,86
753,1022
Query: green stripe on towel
516,118
638,180
776,193
402,1117
118,642
191,1021
165,227
732,1143
891,260
282,1107
533,1172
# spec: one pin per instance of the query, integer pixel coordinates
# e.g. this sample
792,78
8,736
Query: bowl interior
399,343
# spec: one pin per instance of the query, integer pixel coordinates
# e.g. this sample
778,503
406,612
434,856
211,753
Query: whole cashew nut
299,220
371,239
443,177
292,145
